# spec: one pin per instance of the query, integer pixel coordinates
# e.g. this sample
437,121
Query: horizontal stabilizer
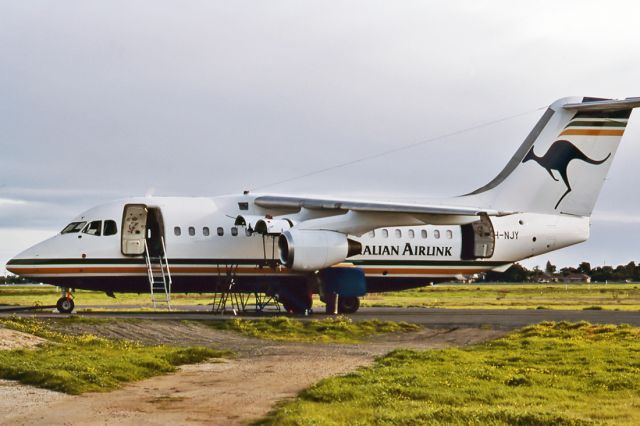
604,105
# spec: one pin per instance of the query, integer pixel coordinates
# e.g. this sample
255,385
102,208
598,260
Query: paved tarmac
495,318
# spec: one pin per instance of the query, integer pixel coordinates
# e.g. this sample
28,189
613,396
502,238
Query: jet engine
311,250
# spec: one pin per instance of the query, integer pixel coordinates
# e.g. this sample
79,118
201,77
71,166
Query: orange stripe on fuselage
593,132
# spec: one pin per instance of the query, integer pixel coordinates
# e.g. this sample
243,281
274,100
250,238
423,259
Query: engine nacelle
311,250
264,225
273,226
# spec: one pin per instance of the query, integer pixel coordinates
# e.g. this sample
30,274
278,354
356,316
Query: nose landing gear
65,304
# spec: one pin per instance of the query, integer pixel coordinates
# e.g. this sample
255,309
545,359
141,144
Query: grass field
514,296
497,296
78,364
569,374
330,330
28,295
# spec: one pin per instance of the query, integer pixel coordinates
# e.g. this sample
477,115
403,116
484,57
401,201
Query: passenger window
398,233
412,233
449,234
93,228
205,231
177,231
372,234
436,234
234,231
385,233
192,231
247,232
220,231
73,227
423,233
110,228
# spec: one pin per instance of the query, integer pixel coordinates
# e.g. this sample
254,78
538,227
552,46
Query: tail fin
562,164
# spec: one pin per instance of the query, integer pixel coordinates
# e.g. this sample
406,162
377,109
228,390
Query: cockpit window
93,228
73,227
110,227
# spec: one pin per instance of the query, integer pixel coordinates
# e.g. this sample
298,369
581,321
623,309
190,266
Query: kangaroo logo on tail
558,157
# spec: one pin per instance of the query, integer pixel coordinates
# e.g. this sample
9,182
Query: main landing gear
65,304
295,300
348,304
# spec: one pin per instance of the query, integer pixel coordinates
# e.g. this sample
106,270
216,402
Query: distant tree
550,269
584,268
518,273
602,273
629,270
515,274
619,273
536,274
15,279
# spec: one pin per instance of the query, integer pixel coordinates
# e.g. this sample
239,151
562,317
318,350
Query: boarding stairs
159,275
226,296
228,299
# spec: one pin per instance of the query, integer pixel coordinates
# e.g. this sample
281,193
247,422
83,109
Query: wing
359,216
286,202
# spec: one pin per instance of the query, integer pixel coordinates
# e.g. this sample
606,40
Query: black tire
348,304
286,304
296,301
65,305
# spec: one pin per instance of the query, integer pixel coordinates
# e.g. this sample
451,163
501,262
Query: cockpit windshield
73,227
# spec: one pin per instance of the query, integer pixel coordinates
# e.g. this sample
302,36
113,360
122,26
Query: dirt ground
234,391
10,339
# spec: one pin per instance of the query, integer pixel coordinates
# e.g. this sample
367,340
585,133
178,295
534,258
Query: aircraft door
134,223
155,231
478,239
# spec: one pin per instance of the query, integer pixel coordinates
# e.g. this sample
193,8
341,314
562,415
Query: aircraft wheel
298,303
65,305
348,304
286,304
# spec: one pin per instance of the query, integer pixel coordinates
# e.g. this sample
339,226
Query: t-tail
562,164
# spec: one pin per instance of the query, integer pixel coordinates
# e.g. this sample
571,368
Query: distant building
467,279
576,278
546,278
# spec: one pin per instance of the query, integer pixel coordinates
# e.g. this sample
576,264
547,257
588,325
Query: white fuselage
202,241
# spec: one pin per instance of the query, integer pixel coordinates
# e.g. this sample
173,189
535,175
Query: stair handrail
147,258
166,261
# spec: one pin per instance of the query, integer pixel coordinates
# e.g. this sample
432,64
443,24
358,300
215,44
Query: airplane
292,247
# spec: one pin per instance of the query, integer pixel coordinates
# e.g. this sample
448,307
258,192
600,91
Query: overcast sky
105,99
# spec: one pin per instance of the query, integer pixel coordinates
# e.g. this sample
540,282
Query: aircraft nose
17,263
12,265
